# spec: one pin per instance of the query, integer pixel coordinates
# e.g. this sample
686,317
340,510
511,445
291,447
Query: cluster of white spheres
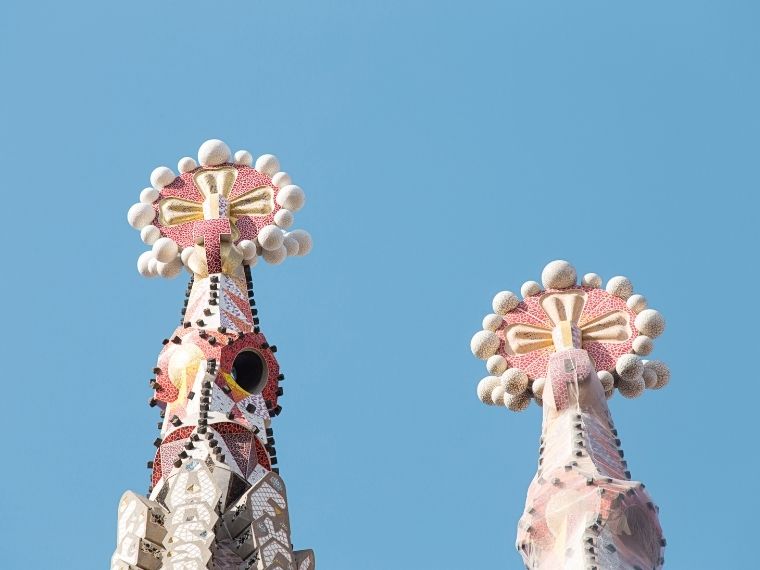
631,375
492,391
485,388
635,376
149,266
274,243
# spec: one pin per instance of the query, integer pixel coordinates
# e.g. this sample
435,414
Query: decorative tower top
569,346
216,499
217,216
612,324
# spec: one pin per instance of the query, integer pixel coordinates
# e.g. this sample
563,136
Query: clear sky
448,151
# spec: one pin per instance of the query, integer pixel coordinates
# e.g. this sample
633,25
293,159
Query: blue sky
448,151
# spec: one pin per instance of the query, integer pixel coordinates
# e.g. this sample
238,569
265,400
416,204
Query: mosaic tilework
184,187
225,349
582,493
530,312
215,445
211,232
582,511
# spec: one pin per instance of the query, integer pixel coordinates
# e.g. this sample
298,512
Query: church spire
216,499
568,347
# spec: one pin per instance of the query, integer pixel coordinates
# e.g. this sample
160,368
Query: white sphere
514,381
650,323
504,302
497,395
650,377
271,237
629,366
530,288
281,179
662,371
496,364
268,164
149,195
558,274
152,266
607,380
171,269
162,176
213,152
637,303
642,345
591,280
517,402
304,241
247,248
632,387
283,218
186,253
291,246
243,157
492,322
149,234
291,197
538,388
620,287
196,261
165,249
484,344
276,256
186,164
251,262
143,263
485,387
140,215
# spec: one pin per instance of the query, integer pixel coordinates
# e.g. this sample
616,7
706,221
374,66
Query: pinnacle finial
612,324
217,214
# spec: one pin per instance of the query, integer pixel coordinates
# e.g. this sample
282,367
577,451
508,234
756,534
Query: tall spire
568,347
216,499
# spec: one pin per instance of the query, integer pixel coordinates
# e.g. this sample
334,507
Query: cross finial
219,213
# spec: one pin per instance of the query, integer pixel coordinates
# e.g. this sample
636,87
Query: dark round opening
250,371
